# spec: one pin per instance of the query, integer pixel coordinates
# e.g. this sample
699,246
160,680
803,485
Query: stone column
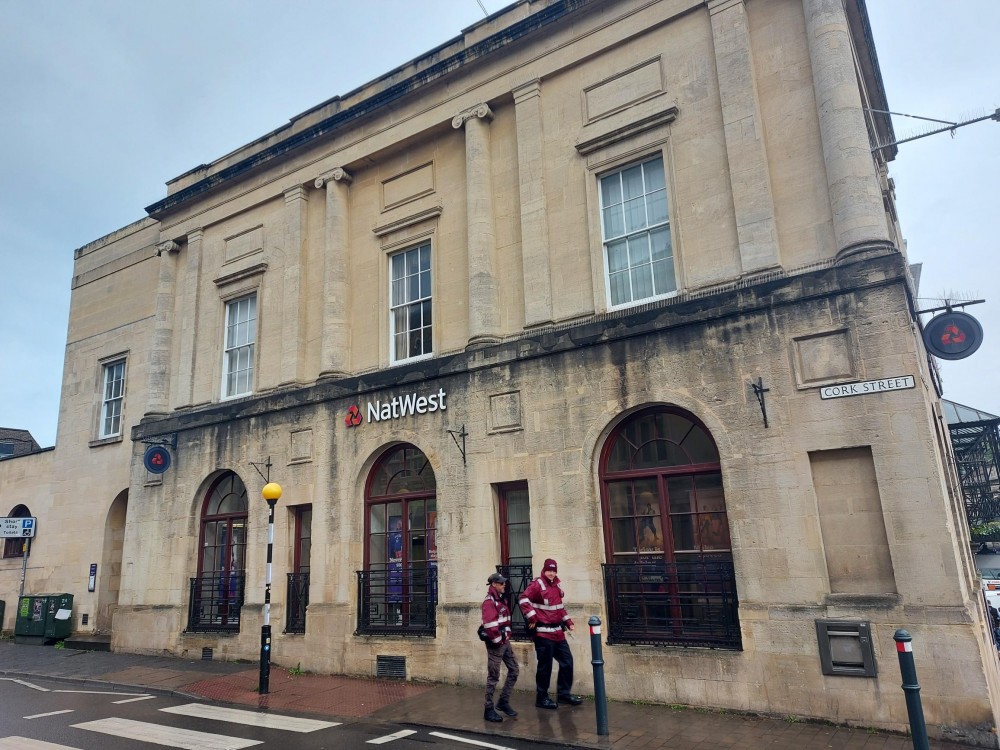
158,386
188,324
335,349
535,260
744,132
484,300
859,222
290,367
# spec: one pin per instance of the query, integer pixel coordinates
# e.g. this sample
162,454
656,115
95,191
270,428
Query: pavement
460,708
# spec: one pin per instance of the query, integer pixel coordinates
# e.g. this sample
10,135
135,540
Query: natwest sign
398,406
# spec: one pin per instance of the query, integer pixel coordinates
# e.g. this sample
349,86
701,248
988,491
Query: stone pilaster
188,324
743,127
290,367
484,299
534,217
158,385
335,351
859,222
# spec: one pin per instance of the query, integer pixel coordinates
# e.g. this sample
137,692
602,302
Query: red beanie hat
550,564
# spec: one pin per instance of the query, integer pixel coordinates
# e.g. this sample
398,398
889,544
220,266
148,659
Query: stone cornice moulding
337,174
246,273
482,111
628,130
195,235
295,193
527,90
167,247
717,6
431,213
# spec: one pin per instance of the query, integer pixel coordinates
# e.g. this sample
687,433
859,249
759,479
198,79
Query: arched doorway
217,592
111,563
669,575
16,546
399,582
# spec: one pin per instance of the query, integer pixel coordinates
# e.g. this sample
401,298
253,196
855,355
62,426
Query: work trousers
545,652
494,655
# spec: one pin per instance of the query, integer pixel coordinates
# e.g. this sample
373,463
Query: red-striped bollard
598,661
914,709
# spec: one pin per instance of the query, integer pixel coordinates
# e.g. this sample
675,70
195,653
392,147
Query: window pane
425,260
376,519
650,533
714,531
659,239
415,509
701,449
681,497
413,313
683,527
619,288
620,499
656,205
614,222
653,172
632,182
376,549
709,490
519,541
642,282
623,535
517,506
638,249
425,284
413,288
617,256
611,190
635,214
398,266
427,315
413,262
398,292
663,276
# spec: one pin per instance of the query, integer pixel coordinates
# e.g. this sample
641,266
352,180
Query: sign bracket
168,441
455,435
267,467
759,390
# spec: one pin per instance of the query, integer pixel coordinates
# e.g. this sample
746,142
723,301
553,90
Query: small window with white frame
638,253
238,357
112,398
410,304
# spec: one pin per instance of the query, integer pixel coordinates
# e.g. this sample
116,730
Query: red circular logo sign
953,335
353,418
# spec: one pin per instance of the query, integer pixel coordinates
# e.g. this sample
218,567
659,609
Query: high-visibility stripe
550,607
904,646
543,629
531,613
498,639
491,624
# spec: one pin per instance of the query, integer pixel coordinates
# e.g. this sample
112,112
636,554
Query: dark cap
496,578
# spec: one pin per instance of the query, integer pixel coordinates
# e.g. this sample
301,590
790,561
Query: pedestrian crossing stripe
158,734
250,718
390,737
49,713
26,743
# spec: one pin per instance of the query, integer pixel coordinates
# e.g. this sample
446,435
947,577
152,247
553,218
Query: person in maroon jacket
542,605
496,625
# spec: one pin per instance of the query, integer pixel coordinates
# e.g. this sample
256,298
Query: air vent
84,619
390,666
206,654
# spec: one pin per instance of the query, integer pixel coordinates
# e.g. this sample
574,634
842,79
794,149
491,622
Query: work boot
504,707
546,702
491,715
572,700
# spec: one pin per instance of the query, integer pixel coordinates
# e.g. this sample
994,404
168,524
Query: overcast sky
103,101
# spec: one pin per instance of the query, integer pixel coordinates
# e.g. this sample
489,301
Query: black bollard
600,698
914,709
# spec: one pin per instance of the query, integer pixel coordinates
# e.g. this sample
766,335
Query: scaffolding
975,439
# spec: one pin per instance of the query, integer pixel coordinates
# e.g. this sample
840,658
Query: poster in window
650,534
432,550
394,552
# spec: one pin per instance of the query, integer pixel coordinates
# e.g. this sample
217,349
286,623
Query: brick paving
639,727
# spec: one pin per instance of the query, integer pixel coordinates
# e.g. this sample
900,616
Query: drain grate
206,654
390,666
84,619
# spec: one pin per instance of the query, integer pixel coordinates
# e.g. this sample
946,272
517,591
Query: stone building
617,282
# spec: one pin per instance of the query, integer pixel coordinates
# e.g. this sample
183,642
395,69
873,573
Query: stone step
89,642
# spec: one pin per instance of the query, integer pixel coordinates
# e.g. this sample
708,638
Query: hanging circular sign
156,459
953,335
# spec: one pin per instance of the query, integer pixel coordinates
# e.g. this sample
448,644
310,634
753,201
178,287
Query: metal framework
975,439
690,603
518,577
397,602
215,603
298,600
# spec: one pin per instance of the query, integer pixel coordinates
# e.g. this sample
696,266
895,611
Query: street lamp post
271,493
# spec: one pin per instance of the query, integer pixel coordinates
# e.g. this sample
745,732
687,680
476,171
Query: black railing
518,577
296,602
215,603
678,604
397,602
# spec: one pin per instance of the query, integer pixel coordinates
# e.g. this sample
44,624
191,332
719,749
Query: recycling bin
59,616
29,625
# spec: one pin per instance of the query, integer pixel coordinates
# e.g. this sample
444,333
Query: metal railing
518,577
296,602
215,602
397,602
687,603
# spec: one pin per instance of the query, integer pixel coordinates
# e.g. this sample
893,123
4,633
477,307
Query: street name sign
869,386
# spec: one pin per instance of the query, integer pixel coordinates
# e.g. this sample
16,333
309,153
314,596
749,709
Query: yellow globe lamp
271,491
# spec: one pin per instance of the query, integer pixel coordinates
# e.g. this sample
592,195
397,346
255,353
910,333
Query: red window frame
502,492
14,547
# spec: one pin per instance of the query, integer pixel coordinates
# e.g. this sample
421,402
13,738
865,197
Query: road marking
96,692
24,743
26,684
477,743
390,737
186,739
50,713
133,700
250,718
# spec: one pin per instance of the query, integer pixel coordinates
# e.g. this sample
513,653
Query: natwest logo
398,406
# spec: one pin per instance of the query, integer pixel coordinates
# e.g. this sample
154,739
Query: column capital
167,247
337,174
481,111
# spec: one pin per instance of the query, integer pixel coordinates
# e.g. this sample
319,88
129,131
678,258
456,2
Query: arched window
15,547
217,592
400,576
669,573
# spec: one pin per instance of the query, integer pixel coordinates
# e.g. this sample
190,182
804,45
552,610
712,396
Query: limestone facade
447,231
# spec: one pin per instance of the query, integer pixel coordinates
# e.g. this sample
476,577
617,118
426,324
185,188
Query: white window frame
234,349
423,275
112,398
647,229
